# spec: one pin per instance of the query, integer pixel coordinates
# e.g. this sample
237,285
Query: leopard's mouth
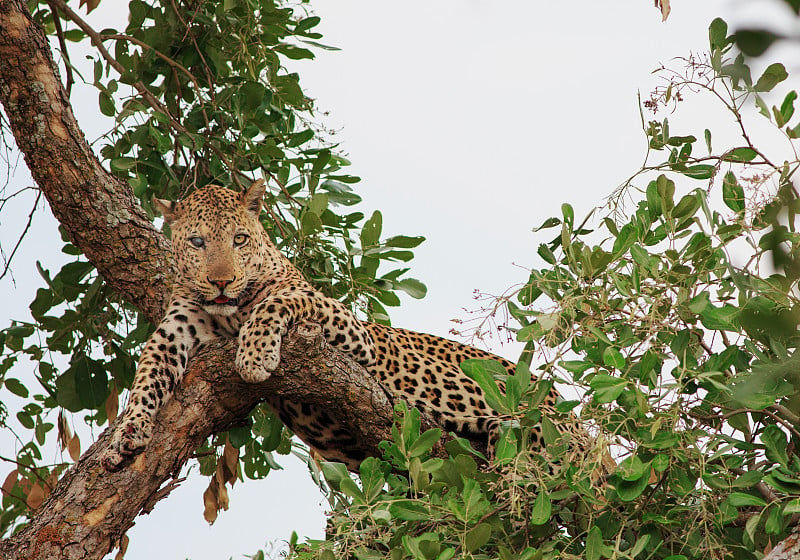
222,300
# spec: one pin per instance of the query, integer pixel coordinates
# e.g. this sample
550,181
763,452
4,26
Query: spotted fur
233,282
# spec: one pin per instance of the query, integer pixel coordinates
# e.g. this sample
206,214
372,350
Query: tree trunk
90,509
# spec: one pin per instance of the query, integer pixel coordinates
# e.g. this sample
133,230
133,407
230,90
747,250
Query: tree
196,116
686,360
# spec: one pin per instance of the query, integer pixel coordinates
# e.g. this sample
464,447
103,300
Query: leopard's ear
252,196
167,208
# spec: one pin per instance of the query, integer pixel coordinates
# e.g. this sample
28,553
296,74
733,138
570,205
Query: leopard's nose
221,284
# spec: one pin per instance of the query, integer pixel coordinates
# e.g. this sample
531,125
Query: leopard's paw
258,355
129,439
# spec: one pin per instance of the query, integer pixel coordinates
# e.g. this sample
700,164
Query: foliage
677,324
197,92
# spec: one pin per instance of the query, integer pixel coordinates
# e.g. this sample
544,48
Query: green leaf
720,318
595,547
754,42
775,444
107,104
687,206
739,499
91,382
66,392
412,287
613,358
425,442
632,468
740,155
409,510
505,446
772,76
548,223
717,34
477,537
787,107
404,241
16,387
542,508
629,490
371,232
699,171
606,387
732,192
481,371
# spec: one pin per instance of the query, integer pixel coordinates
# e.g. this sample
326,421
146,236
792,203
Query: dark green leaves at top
754,42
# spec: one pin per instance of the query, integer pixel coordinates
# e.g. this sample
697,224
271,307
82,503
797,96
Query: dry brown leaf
35,496
230,463
112,405
51,481
222,499
123,547
64,433
9,482
665,8
74,447
90,4
210,502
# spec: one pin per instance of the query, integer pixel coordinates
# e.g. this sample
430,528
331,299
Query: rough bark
90,509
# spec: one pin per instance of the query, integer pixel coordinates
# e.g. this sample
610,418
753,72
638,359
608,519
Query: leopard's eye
240,239
197,241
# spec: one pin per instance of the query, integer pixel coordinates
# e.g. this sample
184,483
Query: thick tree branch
90,509
98,211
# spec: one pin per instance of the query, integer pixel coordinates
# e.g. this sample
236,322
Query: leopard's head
220,247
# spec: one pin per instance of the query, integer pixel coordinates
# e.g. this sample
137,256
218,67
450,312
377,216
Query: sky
470,122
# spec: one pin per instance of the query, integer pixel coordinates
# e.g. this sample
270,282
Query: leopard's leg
260,337
161,367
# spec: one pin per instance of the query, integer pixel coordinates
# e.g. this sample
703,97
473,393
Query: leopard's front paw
257,356
129,438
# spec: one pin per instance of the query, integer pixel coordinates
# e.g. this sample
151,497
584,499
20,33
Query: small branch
765,491
7,264
786,413
63,45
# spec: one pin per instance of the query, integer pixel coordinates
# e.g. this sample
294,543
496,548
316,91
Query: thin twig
63,44
8,260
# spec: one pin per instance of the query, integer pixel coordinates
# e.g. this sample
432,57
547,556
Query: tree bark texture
90,509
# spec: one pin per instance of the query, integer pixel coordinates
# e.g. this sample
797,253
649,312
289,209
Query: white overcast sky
470,122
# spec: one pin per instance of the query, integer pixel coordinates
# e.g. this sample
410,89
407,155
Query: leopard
231,282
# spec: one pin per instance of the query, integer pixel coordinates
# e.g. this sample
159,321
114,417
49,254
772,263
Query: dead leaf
112,405
123,547
230,463
90,4
64,433
210,502
74,447
35,496
9,482
665,8
51,481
